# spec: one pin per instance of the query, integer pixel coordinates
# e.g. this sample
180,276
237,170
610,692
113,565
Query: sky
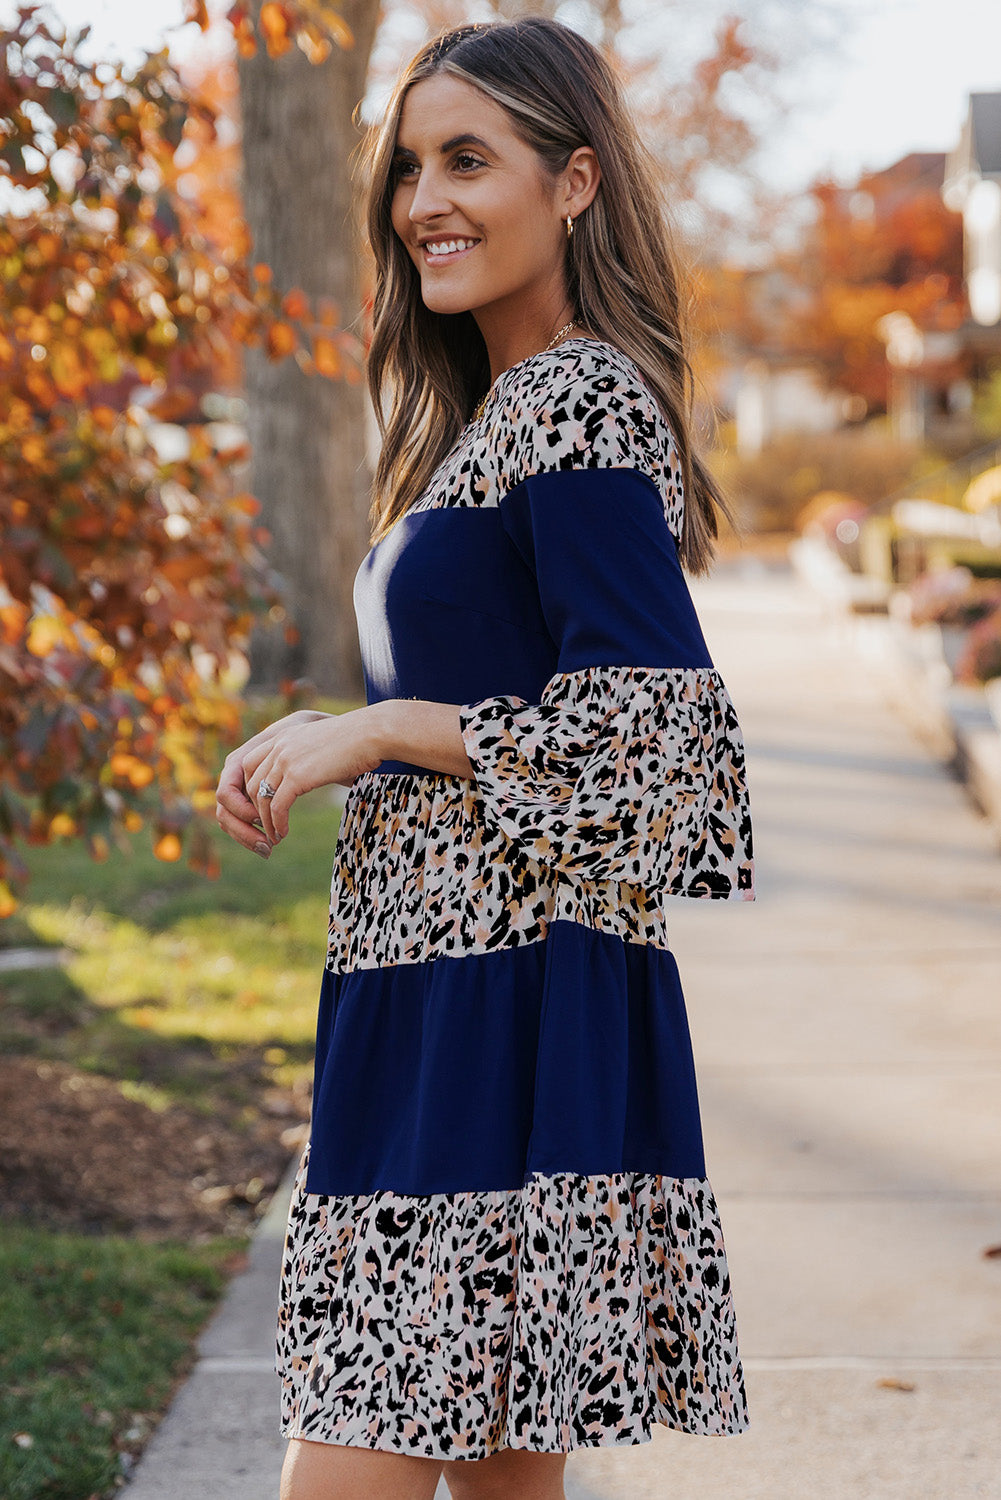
888,78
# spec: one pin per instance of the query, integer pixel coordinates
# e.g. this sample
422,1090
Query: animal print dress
501,1232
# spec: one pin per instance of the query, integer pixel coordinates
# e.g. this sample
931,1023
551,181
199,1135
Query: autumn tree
128,579
884,244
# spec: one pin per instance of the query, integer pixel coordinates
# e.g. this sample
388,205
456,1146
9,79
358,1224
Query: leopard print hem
574,1312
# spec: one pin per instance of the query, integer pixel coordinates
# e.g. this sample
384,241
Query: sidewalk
220,1438
847,1032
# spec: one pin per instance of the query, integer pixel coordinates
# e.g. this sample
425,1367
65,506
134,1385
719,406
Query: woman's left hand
301,757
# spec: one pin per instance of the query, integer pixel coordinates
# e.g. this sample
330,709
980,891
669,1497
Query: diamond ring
264,790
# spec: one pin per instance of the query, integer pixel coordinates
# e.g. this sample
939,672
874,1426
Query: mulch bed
76,1154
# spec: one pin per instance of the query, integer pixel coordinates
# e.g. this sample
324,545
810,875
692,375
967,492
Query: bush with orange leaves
128,579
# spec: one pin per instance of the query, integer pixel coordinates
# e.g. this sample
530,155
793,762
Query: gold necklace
477,414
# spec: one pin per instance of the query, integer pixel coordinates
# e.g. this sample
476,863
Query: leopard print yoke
501,1232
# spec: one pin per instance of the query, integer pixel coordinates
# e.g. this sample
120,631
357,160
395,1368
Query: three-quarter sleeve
631,766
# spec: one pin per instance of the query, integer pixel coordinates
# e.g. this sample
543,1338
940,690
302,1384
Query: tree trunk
309,466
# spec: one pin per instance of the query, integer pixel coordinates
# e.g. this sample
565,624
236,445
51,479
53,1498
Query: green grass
179,989
95,1334
175,981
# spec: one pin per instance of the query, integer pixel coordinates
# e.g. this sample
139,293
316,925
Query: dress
501,1232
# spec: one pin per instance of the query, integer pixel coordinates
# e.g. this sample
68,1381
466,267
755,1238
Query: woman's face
488,190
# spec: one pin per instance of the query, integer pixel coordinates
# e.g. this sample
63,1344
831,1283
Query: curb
221,1435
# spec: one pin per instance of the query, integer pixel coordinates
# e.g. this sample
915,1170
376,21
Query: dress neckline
579,338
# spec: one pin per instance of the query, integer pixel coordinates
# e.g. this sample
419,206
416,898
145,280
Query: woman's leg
509,1474
338,1471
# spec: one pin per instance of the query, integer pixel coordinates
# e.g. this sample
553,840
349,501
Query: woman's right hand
235,813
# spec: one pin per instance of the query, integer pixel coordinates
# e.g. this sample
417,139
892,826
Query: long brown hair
621,270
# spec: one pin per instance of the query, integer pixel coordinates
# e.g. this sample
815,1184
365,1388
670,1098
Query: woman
502,1244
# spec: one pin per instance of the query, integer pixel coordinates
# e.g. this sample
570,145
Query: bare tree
309,466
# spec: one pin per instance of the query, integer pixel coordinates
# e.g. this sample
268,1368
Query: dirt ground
76,1154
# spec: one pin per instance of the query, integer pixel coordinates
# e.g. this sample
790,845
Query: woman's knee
509,1474
340,1471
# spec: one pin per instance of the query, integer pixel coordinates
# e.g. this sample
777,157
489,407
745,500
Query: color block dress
501,1232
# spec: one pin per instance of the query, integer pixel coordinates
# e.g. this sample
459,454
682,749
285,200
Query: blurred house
769,386
924,402
972,187
774,394
782,361
934,370
930,393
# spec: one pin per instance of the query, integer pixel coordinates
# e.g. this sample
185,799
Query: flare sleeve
631,767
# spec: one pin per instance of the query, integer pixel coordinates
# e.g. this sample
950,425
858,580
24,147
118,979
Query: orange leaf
246,43
168,848
274,24
44,635
281,340
327,357
332,22
317,48
295,303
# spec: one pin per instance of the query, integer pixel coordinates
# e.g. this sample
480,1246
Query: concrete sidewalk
220,1438
847,1031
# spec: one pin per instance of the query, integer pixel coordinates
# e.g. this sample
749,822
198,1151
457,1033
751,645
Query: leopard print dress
501,1232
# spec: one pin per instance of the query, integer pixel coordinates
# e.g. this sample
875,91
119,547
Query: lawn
153,1089
172,977
95,1333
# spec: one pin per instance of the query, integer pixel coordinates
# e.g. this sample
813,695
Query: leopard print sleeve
631,766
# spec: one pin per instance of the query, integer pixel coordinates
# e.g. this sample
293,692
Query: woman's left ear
584,175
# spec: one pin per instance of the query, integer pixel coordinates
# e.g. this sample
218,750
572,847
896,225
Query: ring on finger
266,790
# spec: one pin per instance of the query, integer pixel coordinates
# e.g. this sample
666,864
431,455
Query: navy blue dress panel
447,611
574,568
609,580
473,1072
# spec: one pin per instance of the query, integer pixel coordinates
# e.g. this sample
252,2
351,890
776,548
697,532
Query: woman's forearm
422,733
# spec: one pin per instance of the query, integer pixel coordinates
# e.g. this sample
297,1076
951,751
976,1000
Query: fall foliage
128,578
885,244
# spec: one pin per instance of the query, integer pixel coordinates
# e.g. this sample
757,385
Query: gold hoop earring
569,226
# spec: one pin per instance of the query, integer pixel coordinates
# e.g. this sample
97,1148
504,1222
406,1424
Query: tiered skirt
501,1232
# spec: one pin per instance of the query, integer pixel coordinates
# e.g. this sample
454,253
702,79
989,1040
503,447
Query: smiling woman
487,218
502,1244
